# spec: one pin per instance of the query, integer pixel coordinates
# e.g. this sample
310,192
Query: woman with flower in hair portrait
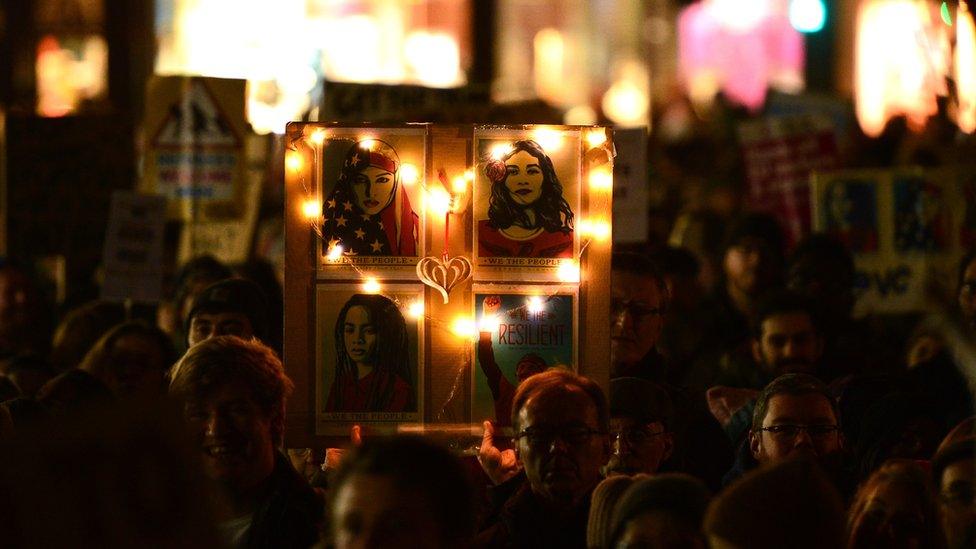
369,212
527,214
373,363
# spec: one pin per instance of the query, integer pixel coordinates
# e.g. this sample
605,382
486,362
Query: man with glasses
640,413
560,421
639,304
796,416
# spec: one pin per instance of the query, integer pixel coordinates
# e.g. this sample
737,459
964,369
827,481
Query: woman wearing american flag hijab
369,212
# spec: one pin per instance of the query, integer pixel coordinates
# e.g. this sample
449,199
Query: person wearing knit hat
640,418
230,307
661,511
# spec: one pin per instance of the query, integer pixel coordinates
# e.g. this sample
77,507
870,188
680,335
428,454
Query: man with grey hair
233,395
560,421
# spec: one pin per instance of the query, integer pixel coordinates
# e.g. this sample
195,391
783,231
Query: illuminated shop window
71,56
285,47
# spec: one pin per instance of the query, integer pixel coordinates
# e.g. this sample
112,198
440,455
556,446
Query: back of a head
682,498
423,475
789,504
779,301
603,504
555,382
111,478
80,329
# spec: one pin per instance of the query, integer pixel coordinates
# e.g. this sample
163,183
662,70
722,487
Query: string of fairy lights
446,197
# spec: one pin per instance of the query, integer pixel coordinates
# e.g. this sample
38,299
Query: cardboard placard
133,253
907,229
195,130
437,385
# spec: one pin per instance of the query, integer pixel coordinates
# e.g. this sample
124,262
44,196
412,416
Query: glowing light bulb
294,161
335,253
568,271
489,323
459,185
595,138
464,327
536,304
317,137
371,285
601,180
439,200
312,209
367,143
500,150
469,175
416,309
550,140
600,230
409,174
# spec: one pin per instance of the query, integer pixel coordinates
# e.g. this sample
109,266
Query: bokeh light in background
741,47
71,56
285,47
808,16
902,55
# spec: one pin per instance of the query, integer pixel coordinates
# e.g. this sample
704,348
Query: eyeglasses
636,310
788,432
543,438
634,437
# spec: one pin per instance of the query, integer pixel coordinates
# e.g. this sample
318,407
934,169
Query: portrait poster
900,226
850,213
371,185
523,330
921,216
526,202
368,357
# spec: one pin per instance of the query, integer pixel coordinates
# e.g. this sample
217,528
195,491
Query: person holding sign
369,213
372,358
527,214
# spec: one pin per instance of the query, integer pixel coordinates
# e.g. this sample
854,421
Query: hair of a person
828,250
760,226
961,450
238,295
910,475
788,504
606,496
780,301
643,266
391,353
555,383
88,464
74,392
99,360
203,268
795,384
428,474
963,263
642,400
223,360
80,329
552,212
684,498
678,261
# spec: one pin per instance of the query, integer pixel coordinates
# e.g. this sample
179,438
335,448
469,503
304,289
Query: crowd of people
758,413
